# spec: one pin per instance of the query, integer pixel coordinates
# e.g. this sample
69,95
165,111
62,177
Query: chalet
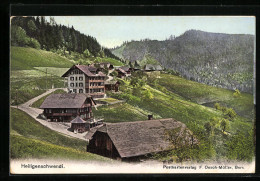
121,73
86,79
129,141
65,107
112,85
150,67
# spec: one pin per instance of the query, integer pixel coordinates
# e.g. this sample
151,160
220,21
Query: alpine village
170,101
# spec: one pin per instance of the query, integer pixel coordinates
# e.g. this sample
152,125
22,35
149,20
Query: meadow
30,139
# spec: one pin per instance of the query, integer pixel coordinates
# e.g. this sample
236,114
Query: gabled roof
153,67
111,82
140,137
87,70
65,101
121,70
78,120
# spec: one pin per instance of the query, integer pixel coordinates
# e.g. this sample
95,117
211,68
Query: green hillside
31,139
174,97
27,58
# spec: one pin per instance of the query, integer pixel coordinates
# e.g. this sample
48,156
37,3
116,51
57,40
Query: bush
217,106
34,43
237,93
230,113
224,124
241,147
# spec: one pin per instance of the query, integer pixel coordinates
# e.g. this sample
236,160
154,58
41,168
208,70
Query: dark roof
111,82
88,70
78,120
121,70
140,137
153,67
64,101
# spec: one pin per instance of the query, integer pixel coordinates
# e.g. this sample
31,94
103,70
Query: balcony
94,81
60,114
93,87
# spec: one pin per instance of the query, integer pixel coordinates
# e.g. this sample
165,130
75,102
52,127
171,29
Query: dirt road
56,126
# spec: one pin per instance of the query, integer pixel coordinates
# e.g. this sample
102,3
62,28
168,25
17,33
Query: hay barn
130,141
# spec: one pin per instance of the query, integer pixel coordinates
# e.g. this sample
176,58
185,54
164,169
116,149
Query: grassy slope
31,139
25,125
39,102
27,81
168,104
119,51
201,93
26,58
121,112
23,147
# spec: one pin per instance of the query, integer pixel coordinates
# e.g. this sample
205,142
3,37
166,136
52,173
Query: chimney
150,117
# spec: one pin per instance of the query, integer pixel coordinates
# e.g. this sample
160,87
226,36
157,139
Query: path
56,126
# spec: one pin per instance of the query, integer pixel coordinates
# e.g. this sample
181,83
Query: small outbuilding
78,125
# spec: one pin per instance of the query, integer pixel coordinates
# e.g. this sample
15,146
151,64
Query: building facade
86,79
65,107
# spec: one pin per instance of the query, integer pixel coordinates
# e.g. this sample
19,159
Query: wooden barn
112,86
65,107
130,141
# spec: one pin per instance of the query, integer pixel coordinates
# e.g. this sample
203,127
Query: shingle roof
88,70
121,70
141,137
78,120
64,101
111,82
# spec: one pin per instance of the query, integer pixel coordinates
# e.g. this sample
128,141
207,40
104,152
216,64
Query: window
71,84
75,90
76,78
76,84
71,78
80,90
80,84
80,78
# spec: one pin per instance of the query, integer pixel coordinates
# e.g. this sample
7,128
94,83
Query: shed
78,124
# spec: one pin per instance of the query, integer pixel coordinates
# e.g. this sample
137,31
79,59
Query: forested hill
224,60
40,34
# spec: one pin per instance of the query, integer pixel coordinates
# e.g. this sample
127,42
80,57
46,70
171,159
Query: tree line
38,33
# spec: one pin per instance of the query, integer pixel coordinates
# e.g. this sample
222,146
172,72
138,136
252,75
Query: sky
112,31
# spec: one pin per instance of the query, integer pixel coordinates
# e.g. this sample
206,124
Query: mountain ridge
201,56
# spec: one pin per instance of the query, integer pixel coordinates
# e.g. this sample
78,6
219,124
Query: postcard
132,94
